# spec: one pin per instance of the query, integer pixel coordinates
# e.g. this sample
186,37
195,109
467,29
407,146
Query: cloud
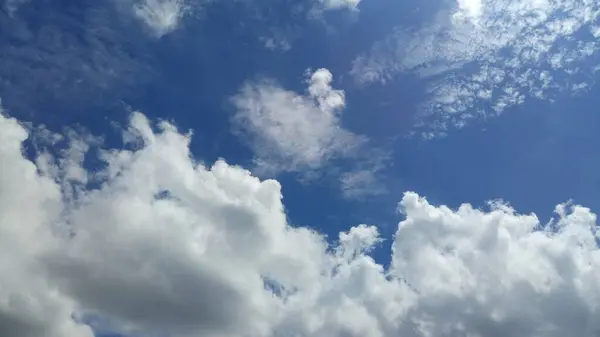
277,43
472,9
291,132
11,6
160,16
366,179
339,4
161,244
68,73
484,56
29,306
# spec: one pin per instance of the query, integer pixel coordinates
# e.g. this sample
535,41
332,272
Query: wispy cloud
12,5
340,4
48,66
294,132
161,16
484,56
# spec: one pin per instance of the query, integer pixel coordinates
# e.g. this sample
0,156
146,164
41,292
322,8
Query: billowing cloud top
158,244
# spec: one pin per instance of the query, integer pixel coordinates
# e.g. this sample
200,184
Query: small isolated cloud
160,16
11,6
339,4
294,132
483,56
163,245
366,179
359,183
276,43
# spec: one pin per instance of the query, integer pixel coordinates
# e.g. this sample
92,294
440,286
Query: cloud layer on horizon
157,243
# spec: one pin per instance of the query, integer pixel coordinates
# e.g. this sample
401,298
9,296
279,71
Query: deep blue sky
57,57
83,62
534,155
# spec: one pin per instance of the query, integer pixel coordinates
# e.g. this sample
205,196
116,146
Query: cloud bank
481,57
159,244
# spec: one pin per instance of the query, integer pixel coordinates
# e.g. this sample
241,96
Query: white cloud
160,16
366,179
292,132
484,56
360,183
277,42
29,306
470,8
167,246
339,4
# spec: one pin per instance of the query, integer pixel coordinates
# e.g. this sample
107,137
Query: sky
339,168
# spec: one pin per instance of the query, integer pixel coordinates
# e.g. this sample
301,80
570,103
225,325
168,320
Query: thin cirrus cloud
12,5
340,4
158,17
165,245
68,73
292,132
483,56
164,16
161,16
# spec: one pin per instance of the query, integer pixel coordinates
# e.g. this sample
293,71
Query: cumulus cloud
293,132
161,244
481,57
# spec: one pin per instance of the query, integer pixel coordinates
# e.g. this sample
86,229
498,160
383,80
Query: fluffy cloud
292,132
158,244
29,305
483,56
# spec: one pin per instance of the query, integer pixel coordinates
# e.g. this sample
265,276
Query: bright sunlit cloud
167,245
483,57
160,16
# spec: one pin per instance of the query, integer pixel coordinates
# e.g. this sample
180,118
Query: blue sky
351,107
